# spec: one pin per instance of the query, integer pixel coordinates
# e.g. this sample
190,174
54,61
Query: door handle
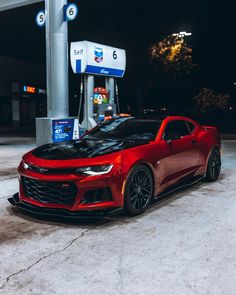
194,141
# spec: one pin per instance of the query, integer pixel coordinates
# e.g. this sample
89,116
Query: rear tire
138,190
213,165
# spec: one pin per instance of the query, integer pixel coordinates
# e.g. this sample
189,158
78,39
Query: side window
191,126
175,130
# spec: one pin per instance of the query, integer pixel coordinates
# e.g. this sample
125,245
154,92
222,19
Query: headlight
95,170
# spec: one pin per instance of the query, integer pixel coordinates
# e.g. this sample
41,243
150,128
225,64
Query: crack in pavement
44,257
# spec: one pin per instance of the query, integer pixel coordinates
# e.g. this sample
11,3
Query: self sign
41,18
70,12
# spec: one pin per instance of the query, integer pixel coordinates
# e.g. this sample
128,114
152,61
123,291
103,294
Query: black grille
56,192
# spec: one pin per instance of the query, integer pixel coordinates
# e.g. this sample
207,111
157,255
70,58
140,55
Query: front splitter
60,213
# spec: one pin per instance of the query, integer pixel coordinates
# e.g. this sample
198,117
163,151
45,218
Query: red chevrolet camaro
122,163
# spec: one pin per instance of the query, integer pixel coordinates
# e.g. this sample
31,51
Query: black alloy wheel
213,165
138,191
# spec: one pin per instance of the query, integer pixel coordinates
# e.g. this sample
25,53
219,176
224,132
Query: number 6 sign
70,11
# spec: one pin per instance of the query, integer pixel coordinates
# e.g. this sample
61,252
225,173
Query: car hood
84,148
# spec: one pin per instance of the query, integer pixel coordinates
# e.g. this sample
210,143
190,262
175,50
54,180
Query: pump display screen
109,113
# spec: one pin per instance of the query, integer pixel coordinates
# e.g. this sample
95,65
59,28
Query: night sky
135,26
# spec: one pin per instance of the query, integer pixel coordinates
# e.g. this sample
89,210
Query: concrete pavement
183,245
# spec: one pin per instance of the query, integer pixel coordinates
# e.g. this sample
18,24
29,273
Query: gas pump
102,108
90,60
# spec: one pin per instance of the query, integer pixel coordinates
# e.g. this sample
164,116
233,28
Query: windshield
126,128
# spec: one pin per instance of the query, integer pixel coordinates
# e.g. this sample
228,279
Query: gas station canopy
9,4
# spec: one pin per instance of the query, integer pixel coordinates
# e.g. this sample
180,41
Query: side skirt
181,185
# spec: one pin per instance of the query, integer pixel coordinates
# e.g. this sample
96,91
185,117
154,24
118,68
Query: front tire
213,165
138,190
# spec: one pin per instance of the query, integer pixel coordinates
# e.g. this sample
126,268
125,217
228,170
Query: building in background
22,91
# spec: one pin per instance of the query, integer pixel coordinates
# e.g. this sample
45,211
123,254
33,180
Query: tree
148,66
172,56
211,106
168,59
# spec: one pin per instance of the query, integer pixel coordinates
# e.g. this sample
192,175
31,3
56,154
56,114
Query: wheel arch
209,153
144,163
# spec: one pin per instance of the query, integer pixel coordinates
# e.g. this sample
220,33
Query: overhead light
182,34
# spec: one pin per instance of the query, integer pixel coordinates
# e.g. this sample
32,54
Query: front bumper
60,213
86,191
